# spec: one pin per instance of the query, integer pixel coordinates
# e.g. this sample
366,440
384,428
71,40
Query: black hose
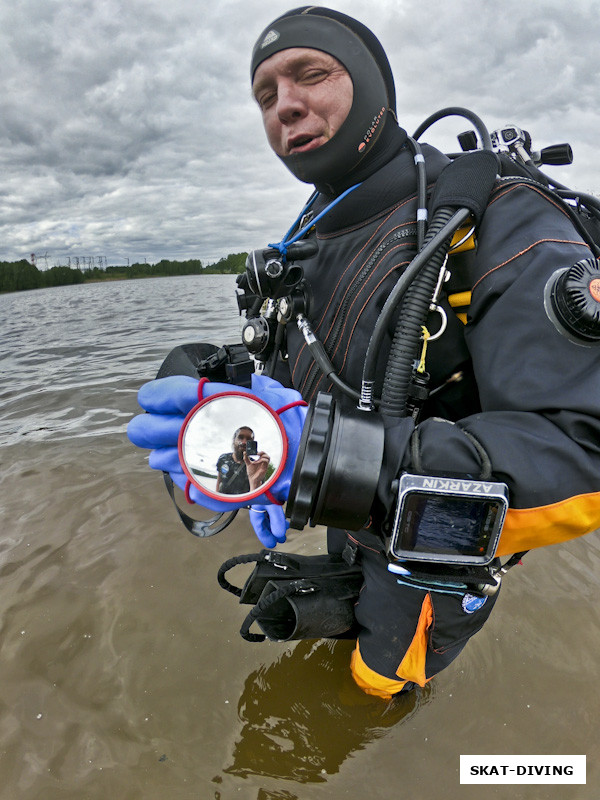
421,191
327,368
272,361
591,203
436,237
457,111
407,336
322,359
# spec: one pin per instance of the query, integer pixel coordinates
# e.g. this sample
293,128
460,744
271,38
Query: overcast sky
128,131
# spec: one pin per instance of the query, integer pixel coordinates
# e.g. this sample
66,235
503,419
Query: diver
510,398
237,473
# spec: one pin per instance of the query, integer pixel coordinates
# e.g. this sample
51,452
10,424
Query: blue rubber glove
269,523
169,400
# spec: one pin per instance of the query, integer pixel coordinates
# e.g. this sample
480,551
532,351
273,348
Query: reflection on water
293,713
122,674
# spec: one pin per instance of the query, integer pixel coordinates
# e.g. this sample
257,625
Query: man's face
243,436
304,97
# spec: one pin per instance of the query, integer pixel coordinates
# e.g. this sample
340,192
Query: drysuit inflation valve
572,302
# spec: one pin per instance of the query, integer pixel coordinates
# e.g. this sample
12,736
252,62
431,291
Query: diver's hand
269,523
167,401
257,469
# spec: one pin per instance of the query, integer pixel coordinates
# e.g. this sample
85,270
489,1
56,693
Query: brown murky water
122,674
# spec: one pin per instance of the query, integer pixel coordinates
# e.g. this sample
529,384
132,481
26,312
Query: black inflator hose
437,236
462,190
437,241
407,335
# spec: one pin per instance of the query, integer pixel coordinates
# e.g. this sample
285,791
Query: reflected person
236,472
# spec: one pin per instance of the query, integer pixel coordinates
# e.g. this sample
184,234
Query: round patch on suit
472,603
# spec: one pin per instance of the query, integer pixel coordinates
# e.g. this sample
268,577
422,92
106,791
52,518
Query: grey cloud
127,129
534,64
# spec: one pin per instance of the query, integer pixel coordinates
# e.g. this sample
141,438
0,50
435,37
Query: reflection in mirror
232,445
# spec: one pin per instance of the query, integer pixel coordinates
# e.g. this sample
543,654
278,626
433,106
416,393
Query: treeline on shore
18,275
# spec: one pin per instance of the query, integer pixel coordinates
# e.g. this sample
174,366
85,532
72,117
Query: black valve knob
256,334
572,301
557,154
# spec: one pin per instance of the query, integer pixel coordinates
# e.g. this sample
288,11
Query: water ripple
74,356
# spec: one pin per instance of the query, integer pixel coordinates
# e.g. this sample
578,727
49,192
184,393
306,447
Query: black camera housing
337,468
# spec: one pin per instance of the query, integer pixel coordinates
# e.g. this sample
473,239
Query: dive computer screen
448,525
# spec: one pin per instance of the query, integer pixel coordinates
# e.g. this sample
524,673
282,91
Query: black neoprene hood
357,48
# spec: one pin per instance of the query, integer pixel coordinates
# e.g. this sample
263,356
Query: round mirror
232,447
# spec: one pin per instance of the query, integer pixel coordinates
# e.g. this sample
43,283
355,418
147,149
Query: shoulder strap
230,477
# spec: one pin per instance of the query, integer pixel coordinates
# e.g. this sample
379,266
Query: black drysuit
525,392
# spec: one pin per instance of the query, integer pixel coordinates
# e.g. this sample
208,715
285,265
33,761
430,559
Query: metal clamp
444,317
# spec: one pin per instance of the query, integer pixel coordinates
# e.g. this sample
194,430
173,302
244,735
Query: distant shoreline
115,280
16,276
144,277
112,279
